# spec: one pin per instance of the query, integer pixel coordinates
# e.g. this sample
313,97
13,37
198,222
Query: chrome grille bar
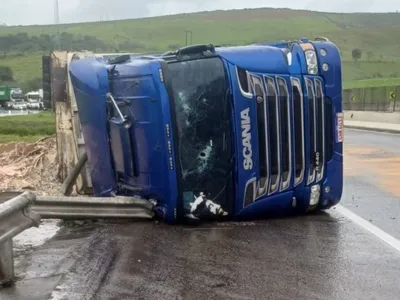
298,124
262,129
286,133
320,122
274,134
312,128
242,77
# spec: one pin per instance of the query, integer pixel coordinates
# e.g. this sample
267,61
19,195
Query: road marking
382,235
373,130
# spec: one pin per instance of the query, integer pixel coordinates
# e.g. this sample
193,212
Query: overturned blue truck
214,133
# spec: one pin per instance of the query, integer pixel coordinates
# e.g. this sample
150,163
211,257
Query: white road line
371,130
387,238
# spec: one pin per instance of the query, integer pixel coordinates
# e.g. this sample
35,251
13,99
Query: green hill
376,34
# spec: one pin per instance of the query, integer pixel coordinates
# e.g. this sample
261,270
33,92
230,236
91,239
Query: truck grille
280,134
289,119
287,157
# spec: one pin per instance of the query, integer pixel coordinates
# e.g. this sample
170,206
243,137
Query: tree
21,42
356,54
6,74
32,85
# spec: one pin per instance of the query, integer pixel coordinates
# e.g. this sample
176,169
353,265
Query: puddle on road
35,237
374,162
354,158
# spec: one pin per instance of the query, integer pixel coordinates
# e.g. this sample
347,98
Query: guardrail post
15,217
6,262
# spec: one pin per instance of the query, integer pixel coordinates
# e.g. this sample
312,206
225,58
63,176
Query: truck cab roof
274,59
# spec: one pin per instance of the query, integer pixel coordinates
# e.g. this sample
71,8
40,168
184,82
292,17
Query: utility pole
189,32
57,22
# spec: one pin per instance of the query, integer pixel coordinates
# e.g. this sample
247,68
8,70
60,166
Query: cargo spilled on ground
28,161
28,153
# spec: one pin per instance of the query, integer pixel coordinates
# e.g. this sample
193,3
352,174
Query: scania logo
246,139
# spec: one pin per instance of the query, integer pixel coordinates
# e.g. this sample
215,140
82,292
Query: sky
28,12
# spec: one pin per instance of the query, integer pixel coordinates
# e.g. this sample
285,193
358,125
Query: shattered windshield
203,112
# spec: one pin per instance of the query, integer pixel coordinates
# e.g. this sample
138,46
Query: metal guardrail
52,207
26,210
15,217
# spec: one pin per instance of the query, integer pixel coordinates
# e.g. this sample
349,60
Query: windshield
203,117
17,96
33,98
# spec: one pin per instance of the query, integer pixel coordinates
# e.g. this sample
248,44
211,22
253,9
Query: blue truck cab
210,132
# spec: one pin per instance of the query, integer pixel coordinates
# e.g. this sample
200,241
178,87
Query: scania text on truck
210,132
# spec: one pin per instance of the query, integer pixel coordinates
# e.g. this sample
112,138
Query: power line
56,13
57,22
189,37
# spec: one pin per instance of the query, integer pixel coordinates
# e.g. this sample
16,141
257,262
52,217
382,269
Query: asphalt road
323,256
372,178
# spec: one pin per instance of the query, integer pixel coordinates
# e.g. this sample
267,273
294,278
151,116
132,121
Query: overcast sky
26,12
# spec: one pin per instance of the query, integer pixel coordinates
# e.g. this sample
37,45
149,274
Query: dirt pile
30,166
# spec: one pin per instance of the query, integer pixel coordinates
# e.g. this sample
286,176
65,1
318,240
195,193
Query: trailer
12,98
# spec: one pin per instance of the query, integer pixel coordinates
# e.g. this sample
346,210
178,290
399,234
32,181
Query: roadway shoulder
373,126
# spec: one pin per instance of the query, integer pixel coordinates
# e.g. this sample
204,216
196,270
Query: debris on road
35,237
30,166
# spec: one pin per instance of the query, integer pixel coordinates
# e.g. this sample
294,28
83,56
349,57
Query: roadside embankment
29,166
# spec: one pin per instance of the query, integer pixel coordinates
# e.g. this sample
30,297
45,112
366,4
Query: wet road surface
372,178
323,256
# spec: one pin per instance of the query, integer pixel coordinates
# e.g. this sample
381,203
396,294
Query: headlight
312,63
315,194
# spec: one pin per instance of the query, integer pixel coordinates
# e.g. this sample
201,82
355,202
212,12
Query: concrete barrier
372,116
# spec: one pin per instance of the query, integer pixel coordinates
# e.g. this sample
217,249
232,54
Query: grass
8,138
27,128
25,66
373,33
375,82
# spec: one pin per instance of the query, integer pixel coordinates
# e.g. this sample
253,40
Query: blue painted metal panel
333,90
90,81
246,108
263,59
138,84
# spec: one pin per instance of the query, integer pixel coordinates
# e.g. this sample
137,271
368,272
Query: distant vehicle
8,105
12,98
34,100
208,132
